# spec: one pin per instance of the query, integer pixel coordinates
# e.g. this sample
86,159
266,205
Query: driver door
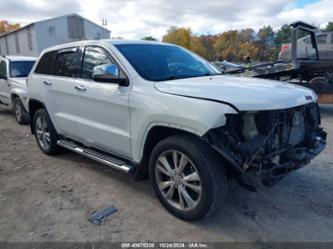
101,108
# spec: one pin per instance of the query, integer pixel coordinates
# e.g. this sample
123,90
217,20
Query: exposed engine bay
267,145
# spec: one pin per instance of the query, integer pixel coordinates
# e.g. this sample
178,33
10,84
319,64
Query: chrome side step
97,156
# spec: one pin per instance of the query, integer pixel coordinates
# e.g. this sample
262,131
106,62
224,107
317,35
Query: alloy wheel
178,180
18,110
42,132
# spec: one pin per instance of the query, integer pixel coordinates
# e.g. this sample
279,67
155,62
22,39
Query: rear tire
45,133
195,190
21,115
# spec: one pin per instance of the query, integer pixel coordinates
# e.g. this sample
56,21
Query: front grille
278,131
297,128
292,125
283,141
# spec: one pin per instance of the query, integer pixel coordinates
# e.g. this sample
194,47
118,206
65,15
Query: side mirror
109,73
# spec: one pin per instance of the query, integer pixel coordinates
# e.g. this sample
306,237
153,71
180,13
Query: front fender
22,94
195,116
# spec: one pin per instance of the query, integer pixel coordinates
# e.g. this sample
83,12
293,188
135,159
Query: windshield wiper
204,75
173,77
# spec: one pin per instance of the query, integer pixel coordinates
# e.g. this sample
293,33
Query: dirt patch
46,198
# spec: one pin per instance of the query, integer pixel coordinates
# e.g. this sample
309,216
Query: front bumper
298,158
273,153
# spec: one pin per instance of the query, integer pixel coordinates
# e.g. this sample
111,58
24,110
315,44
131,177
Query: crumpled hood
246,94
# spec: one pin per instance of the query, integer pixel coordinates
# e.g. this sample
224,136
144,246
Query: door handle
47,83
80,88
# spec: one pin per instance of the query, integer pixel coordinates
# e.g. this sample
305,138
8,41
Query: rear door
64,68
4,83
102,108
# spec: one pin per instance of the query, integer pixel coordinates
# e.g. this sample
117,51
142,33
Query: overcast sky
134,19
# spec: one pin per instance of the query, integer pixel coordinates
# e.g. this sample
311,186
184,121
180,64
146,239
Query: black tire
213,180
53,148
21,115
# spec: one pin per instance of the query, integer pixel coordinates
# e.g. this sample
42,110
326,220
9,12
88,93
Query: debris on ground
97,217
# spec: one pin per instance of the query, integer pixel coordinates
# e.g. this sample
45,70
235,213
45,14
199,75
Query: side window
3,69
93,56
331,38
46,63
68,63
321,39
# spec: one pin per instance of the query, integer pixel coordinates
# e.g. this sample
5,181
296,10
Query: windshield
20,68
165,62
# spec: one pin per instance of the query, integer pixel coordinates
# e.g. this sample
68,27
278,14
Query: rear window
68,63
65,62
20,68
46,63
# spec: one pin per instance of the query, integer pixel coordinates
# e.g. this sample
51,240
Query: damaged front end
265,146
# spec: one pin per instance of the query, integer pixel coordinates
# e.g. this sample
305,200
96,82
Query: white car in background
13,92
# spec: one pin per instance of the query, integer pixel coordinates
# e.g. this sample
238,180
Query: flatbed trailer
310,72
314,76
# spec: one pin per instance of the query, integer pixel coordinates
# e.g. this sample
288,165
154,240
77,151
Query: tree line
231,45
234,45
5,26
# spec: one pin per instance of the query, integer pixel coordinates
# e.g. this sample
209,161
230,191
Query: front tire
21,115
187,177
45,133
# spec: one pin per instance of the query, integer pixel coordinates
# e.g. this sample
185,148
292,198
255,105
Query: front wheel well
34,105
154,136
13,96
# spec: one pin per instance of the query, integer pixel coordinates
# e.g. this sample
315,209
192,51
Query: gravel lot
46,198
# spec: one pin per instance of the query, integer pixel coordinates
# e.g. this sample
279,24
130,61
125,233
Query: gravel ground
46,198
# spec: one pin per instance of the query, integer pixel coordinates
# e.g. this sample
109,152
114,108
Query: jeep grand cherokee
157,110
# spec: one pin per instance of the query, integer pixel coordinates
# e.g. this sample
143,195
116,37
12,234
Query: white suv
157,110
13,93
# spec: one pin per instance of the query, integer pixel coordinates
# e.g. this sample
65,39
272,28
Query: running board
97,156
